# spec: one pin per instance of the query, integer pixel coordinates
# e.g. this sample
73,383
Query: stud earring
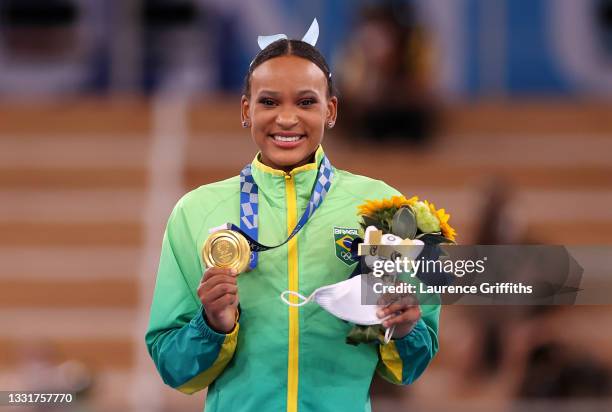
246,124
330,124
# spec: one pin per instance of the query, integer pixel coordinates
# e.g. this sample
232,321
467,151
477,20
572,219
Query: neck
287,169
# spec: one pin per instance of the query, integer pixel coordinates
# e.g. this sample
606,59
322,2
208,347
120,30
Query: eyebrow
299,93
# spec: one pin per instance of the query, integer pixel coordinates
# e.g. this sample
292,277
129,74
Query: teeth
287,139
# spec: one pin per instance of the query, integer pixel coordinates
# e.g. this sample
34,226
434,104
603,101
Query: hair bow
310,37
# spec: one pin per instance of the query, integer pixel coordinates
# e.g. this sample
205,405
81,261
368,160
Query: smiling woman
233,334
287,122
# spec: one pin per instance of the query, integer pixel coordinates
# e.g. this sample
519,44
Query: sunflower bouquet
408,219
412,221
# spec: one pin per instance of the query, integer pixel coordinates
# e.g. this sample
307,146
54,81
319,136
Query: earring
330,124
246,124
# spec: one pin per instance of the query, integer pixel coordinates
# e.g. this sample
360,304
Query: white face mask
343,300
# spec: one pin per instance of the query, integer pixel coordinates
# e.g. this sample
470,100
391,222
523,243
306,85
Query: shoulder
205,199
362,186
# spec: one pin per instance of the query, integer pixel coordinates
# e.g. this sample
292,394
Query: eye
307,102
266,101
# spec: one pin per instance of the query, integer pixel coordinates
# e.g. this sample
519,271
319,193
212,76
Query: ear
244,109
332,109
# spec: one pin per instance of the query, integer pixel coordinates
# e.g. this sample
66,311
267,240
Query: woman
262,355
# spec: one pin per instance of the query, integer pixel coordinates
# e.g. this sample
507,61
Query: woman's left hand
405,313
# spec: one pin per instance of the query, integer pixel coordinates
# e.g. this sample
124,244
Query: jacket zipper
292,258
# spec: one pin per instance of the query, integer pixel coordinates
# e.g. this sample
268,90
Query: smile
287,139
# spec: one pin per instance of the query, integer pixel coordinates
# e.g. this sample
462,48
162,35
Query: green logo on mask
343,237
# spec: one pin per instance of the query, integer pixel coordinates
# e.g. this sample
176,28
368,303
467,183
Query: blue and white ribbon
249,207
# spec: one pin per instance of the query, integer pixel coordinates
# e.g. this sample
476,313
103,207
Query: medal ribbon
249,200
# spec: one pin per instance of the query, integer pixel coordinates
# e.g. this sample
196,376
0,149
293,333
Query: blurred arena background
500,110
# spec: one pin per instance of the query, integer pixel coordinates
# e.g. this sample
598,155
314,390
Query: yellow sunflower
371,207
446,229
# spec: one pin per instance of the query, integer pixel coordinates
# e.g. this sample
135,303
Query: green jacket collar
272,182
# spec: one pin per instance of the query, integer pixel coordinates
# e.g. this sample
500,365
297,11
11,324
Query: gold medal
227,249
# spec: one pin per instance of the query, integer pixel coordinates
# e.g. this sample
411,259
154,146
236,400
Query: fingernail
385,324
234,271
380,313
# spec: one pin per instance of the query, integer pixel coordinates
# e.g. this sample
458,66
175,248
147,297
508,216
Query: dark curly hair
286,47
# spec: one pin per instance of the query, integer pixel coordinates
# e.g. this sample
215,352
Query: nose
287,118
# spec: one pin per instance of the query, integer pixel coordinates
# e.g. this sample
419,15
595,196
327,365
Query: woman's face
288,110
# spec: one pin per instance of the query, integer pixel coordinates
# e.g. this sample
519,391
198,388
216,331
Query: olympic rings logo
346,255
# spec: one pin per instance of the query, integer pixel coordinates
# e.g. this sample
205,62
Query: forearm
403,360
189,358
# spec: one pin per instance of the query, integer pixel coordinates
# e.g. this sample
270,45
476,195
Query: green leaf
404,223
433,238
365,334
369,221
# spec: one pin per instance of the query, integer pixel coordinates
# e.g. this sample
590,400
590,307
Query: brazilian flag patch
343,237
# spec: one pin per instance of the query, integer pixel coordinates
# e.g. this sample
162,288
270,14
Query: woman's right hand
218,293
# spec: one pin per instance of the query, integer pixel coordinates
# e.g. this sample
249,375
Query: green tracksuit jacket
277,358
